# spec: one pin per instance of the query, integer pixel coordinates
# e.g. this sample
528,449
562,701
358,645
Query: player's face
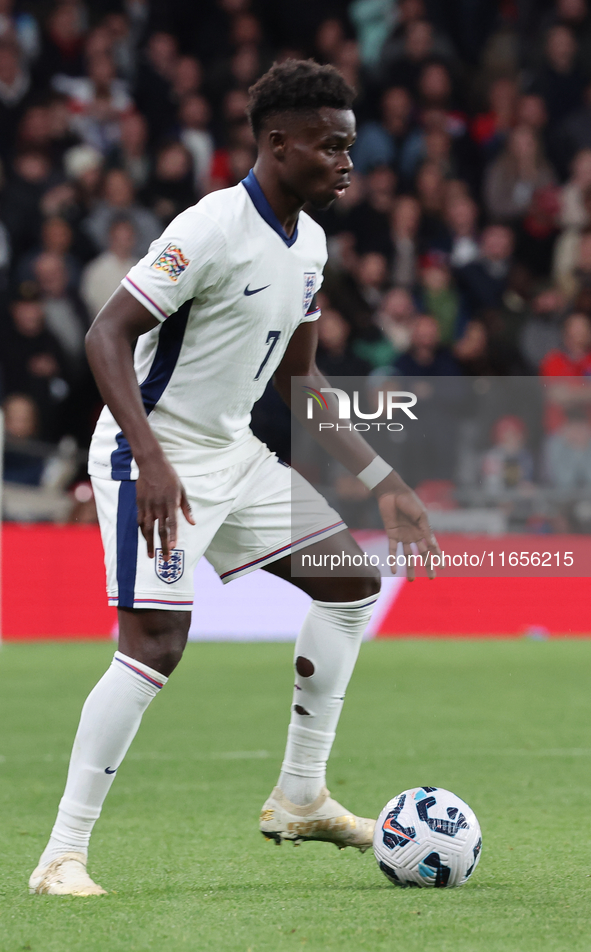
316,159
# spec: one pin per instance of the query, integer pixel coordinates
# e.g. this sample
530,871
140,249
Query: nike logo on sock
108,770
248,292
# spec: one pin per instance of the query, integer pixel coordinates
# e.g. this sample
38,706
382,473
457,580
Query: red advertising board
53,588
53,583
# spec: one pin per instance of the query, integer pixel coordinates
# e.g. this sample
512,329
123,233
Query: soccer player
221,303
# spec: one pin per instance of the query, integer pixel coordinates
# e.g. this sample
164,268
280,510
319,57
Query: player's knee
157,638
167,656
364,586
163,653
168,645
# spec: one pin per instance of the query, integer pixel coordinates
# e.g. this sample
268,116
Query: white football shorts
246,516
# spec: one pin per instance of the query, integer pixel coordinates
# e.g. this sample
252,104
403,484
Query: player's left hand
405,520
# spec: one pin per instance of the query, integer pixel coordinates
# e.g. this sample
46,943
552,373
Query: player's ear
277,139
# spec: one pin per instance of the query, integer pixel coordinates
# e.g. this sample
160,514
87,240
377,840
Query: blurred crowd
462,247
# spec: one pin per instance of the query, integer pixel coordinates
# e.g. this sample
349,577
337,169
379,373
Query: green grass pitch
506,725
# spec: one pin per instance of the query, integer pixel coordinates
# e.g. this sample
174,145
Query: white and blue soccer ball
427,837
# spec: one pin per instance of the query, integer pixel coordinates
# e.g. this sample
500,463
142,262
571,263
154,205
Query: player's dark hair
297,86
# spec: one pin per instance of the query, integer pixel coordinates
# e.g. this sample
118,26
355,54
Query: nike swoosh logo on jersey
255,290
108,770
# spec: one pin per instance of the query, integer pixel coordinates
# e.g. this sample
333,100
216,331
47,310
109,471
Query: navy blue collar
264,209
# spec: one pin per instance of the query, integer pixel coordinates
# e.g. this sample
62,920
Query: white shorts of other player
246,516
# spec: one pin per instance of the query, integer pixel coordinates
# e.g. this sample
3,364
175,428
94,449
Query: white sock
109,721
330,639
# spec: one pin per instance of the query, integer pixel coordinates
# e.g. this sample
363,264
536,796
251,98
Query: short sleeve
319,254
187,259
313,312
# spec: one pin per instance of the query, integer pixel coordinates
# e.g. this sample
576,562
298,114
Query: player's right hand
406,521
160,494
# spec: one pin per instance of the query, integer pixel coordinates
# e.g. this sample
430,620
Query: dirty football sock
325,654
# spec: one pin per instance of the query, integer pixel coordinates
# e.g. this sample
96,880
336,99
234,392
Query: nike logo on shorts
248,292
109,770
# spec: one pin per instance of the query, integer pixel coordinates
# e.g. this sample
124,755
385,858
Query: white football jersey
229,288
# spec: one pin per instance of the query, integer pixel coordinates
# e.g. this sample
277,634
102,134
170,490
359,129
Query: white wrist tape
373,474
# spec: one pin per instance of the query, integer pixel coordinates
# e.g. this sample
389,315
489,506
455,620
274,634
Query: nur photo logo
388,401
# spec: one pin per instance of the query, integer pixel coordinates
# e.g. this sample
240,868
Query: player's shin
325,654
109,721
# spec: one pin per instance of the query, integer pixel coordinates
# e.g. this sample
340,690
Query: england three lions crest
170,571
309,288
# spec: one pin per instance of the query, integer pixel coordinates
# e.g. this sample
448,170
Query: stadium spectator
430,188
541,332
34,130
485,280
334,354
426,356
515,175
406,218
97,102
371,279
402,67
64,312
14,86
395,141
439,296
329,38
20,203
348,63
461,239
568,453
574,132
21,28
560,80
130,152
21,425
573,359
62,46
490,129
508,464
573,213
395,319
194,119
33,361
57,237
572,259
537,231
472,351
118,198
170,190
369,219
102,276
153,91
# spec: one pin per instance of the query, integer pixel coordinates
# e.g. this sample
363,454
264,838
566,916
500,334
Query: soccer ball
427,837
